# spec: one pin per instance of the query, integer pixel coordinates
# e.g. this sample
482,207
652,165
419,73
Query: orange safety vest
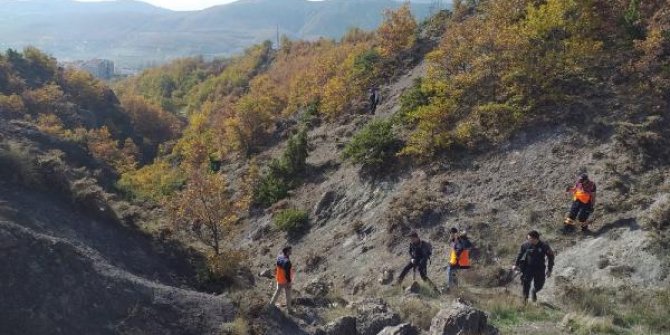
583,192
582,196
281,275
463,261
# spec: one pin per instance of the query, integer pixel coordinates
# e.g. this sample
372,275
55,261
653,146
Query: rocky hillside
72,265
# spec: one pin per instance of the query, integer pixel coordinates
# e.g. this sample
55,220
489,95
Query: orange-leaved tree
398,31
205,208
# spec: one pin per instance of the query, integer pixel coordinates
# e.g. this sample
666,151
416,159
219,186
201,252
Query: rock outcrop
461,319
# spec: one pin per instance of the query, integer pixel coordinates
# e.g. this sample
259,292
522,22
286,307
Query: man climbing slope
420,252
375,98
531,262
283,274
584,200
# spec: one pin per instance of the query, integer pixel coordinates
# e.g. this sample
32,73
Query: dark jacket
419,252
532,257
459,244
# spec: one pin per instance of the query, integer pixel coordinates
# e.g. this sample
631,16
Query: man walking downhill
531,263
420,252
584,200
459,255
283,275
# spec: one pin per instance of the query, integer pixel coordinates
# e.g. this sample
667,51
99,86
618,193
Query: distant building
99,68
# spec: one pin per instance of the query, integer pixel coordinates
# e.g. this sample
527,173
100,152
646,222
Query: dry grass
586,325
657,220
416,311
19,165
629,308
239,326
508,311
416,206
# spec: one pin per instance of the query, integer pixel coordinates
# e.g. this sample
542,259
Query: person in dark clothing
375,98
584,200
283,275
420,251
531,263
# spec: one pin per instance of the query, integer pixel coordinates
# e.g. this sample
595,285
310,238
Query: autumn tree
205,208
103,146
150,121
397,32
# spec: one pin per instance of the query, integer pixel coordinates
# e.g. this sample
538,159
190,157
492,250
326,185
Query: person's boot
525,300
534,295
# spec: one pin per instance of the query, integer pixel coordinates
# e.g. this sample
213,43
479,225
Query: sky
183,4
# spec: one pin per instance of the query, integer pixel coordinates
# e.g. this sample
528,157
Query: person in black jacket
531,263
420,251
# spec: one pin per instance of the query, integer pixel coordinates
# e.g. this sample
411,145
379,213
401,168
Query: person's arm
550,257
593,196
517,263
287,268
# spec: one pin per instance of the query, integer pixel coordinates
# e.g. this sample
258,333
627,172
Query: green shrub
271,187
156,181
284,174
373,146
218,272
291,220
413,98
310,114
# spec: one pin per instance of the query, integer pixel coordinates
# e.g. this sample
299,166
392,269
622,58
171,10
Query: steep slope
71,265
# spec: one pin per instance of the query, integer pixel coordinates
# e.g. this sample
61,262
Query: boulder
345,325
414,288
403,329
461,319
317,287
373,315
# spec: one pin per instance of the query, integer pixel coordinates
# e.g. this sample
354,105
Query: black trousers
373,106
422,267
580,211
535,276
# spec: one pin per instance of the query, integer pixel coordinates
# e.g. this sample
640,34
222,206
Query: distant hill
134,33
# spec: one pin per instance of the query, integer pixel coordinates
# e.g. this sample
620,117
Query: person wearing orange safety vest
283,274
459,255
584,200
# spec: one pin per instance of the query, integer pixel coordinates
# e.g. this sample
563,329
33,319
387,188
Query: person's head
453,232
533,237
287,250
583,177
414,237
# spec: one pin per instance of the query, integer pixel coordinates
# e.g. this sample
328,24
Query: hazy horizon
181,5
